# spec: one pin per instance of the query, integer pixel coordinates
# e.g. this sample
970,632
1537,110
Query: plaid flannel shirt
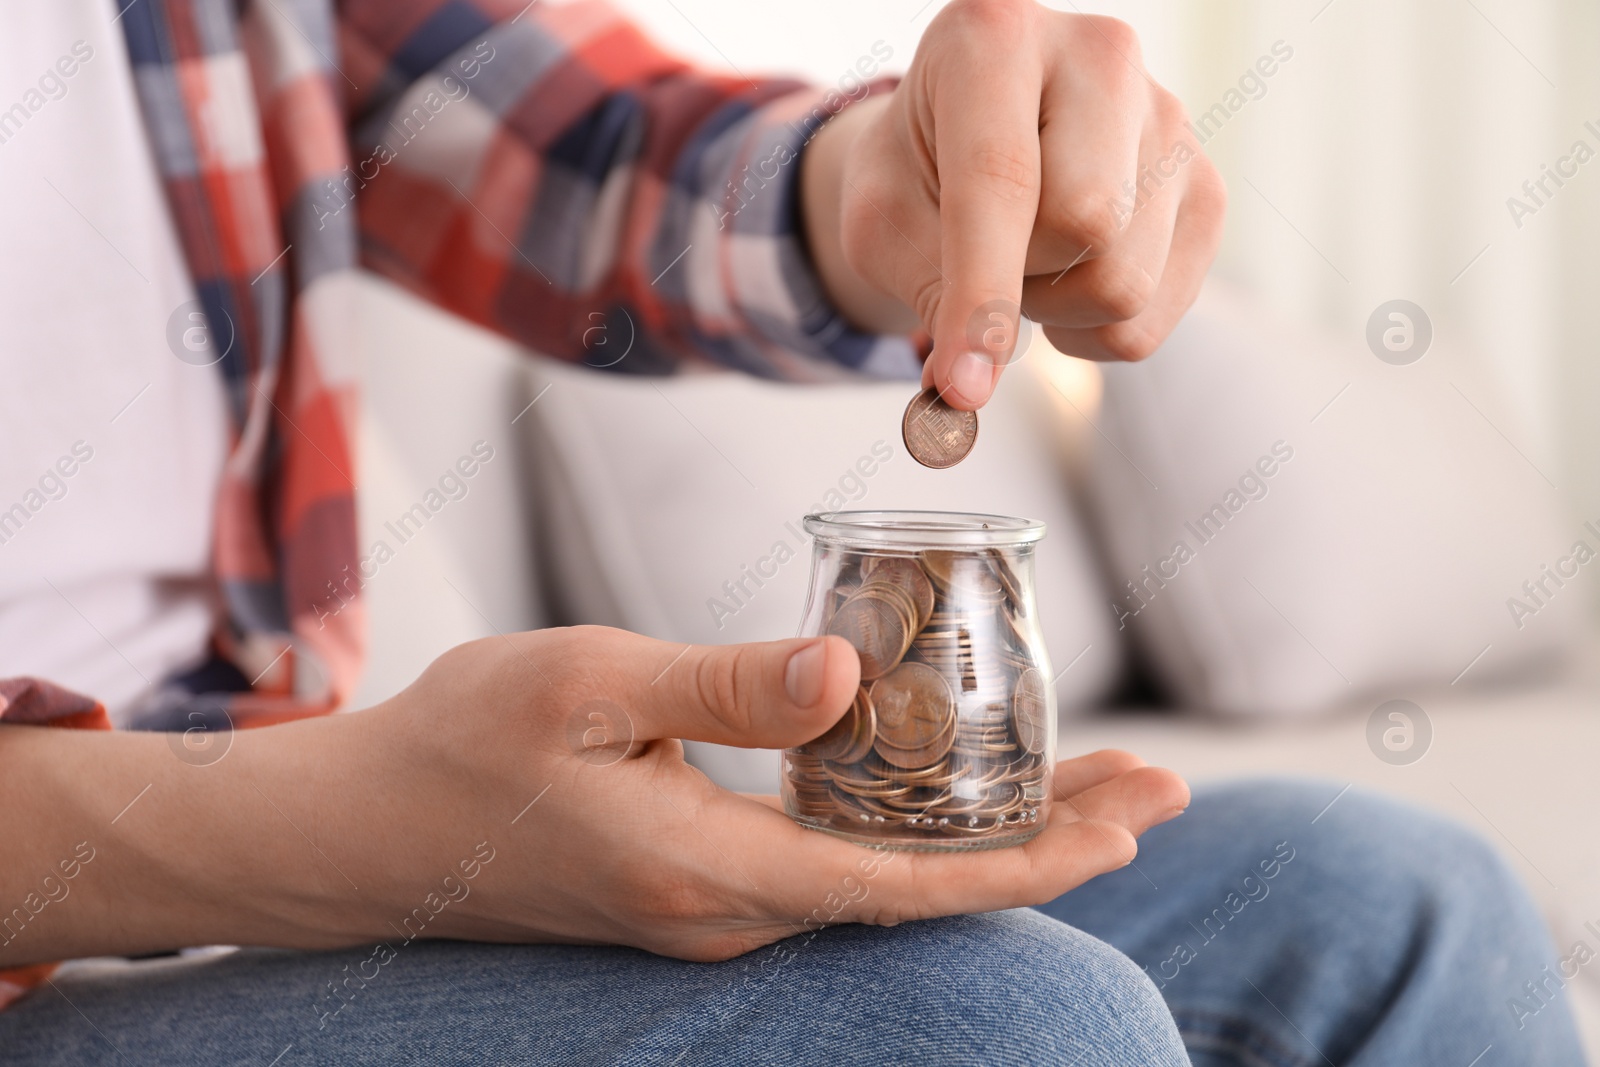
535,168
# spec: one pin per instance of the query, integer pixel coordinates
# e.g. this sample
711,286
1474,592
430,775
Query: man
443,876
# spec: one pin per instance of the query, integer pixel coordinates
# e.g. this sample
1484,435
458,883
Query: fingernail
803,678
972,377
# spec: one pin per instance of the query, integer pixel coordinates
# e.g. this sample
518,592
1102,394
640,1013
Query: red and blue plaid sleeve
548,172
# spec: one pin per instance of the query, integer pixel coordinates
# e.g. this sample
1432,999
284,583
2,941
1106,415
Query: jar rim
905,528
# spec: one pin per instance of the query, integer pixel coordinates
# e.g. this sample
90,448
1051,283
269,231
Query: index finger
986,151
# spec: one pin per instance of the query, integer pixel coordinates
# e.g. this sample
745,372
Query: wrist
254,848
295,855
823,187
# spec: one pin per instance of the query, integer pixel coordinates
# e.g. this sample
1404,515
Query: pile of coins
948,735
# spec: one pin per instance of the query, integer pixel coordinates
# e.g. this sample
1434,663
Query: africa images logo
192,338
1399,332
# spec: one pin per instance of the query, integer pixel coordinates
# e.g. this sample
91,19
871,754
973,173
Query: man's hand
1026,159
630,845
527,788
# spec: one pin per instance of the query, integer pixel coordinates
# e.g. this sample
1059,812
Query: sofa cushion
1291,522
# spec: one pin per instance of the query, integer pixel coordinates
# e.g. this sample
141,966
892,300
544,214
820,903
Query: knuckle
1169,111
1007,169
560,642
1001,18
459,658
1119,288
1114,37
590,635
719,682
1084,220
572,657
1208,193
1128,342
925,298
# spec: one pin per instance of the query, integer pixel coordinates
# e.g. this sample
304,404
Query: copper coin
879,630
936,434
936,564
1030,712
975,579
913,759
841,737
855,779
1009,582
937,776
906,574
867,729
900,597
1017,631
916,712
960,576
868,785
869,563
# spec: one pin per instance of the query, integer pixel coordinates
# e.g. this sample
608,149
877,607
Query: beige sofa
630,501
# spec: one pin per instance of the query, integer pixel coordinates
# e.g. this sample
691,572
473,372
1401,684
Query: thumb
773,694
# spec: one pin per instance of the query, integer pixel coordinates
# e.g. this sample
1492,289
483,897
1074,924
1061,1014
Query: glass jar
950,741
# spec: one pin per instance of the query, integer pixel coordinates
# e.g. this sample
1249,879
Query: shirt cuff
749,276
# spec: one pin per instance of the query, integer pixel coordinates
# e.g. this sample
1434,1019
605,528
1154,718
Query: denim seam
1252,1045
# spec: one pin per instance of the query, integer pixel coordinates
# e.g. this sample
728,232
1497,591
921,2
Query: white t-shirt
111,447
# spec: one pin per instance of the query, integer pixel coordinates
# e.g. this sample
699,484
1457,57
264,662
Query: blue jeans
1249,932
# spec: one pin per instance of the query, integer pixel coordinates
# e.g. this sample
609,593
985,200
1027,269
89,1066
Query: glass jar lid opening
908,528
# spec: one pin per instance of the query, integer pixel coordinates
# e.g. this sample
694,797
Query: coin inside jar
936,434
1030,711
944,745
879,629
916,716
851,737
907,574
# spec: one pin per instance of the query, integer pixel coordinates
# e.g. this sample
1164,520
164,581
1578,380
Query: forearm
713,272
822,189
114,845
